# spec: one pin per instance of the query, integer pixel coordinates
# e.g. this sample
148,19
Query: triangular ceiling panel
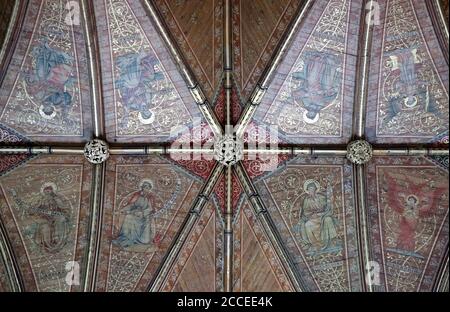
198,266
145,98
45,94
150,191
311,96
312,203
408,76
408,221
197,27
258,27
256,264
45,207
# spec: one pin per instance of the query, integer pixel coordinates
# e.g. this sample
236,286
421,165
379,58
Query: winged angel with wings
412,205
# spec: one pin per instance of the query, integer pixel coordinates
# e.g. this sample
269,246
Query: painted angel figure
316,222
412,205
136,228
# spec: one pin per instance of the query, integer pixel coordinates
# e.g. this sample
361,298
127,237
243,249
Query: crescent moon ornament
309,120
146,121
45,115
408,103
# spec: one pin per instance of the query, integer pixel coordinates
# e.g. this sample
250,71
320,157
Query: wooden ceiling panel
445,7
311,96
197,26
312,203
161,194
45,208
408,221
408,99
145,97
45,94
257,267
198,266
258,27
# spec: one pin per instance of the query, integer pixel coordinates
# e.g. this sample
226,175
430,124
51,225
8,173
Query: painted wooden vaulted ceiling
130,72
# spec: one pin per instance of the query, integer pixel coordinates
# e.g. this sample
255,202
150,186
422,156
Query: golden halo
47,184
145,181
308,182
413,196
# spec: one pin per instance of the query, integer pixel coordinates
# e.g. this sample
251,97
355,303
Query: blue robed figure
136,227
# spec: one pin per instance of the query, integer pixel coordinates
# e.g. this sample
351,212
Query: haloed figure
408,223
414,203
316,223
51,234
136,227
50,213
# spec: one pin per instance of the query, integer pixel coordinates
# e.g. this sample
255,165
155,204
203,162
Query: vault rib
9,259
10,40
439,22
228,215
359,120
96,209
95,226
442,281
93,52
363,63
291,149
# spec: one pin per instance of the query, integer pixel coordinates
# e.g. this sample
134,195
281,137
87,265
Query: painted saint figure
51,216
316,223
318,84
49,80
137,74
136,228
409,90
